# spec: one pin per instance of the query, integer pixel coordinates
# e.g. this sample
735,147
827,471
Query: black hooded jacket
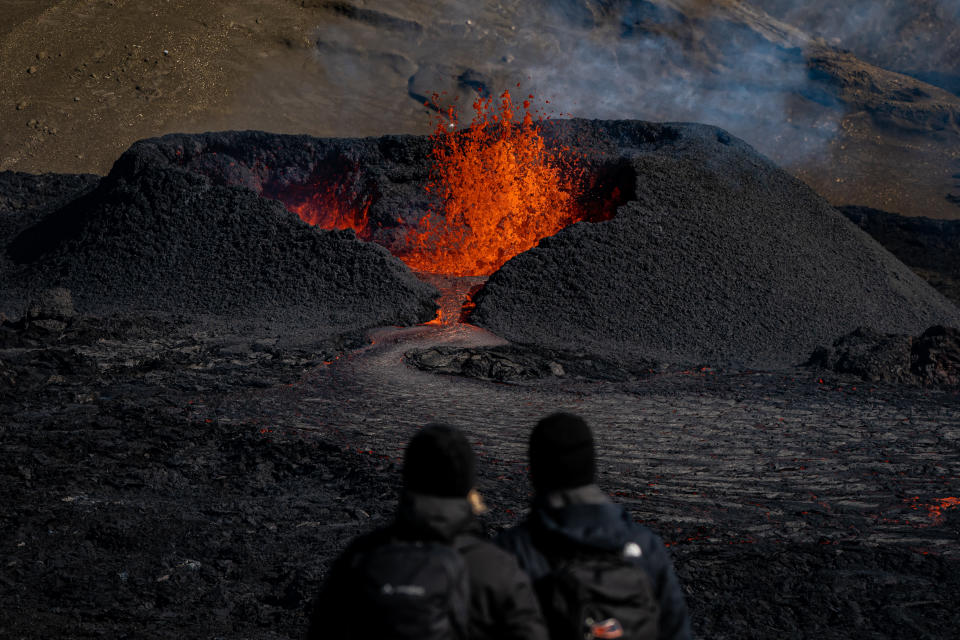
502,603
585,516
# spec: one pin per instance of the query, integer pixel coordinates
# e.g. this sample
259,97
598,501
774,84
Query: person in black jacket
570,511
437,506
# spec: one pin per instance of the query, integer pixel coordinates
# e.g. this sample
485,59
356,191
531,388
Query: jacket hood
585,516
424,517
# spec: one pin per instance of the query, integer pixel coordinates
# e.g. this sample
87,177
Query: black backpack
591,594
410,590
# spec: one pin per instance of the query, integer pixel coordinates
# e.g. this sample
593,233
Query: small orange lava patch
939,506
438,319
936,508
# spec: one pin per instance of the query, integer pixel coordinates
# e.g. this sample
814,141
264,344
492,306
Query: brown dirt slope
82,80
917,37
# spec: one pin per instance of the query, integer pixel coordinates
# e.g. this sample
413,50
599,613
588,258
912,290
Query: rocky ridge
154,235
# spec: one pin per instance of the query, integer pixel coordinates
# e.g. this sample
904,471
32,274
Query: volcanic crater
722,258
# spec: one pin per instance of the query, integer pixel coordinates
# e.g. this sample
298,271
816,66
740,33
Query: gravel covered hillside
156,236
722,259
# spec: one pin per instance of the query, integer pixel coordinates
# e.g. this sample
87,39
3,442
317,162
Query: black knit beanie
439,462
561,453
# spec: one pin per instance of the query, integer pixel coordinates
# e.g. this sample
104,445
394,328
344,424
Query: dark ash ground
185,472
166,484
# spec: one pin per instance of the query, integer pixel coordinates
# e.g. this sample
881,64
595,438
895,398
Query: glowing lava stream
455,296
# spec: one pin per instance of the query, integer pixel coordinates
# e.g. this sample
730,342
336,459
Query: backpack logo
606,629
414,590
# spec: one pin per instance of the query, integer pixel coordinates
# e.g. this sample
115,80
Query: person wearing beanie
436,517
571,516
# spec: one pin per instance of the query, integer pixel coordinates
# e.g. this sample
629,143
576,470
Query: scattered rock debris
933,358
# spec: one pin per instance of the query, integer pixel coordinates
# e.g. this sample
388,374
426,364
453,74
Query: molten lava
500,189
940,505
324,206
936,508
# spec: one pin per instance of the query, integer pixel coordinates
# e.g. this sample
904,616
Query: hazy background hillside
857,99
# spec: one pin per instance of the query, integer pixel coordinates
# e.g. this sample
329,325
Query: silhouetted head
439,462
561,453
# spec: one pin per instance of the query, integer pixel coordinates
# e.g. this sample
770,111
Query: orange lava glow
940,505
324,207
438,319
501,190
936,508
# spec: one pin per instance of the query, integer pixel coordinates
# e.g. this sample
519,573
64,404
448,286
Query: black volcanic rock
511,363
156,234
936,356
386,173
26,198
496,363
51,309
933,358
869,354
721,259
